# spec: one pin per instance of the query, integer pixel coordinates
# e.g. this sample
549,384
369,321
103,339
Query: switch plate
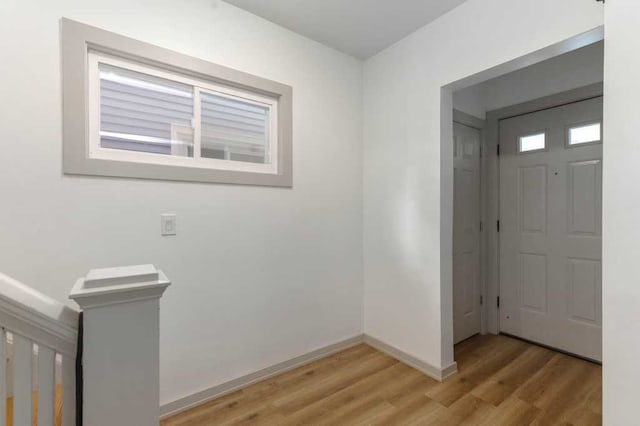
168,224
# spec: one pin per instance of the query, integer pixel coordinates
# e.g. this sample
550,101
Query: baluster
68,391
22,381
46,385
3,376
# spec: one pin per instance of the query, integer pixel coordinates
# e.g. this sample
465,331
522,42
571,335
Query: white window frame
85,47
199,86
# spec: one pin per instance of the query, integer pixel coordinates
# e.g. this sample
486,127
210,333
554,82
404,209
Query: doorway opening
527,202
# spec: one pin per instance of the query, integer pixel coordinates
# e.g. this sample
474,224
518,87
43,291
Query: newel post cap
112,286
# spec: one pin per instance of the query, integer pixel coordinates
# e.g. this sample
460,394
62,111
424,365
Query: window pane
234,129
532,142
584,134
144,113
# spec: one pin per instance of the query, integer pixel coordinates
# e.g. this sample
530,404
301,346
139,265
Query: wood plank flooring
501,381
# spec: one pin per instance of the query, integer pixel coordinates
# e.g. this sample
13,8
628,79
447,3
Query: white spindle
22,381
3,376
68,391
46,386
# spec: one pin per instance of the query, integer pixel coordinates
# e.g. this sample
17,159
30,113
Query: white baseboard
449,371
199,398
439,374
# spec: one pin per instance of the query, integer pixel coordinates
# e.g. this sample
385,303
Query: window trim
80,45
567,134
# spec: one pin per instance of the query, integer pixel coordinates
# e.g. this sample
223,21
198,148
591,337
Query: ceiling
360,28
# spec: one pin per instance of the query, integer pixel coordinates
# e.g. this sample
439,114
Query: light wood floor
501,381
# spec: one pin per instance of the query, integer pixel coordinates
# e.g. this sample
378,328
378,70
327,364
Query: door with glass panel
466,232
551,227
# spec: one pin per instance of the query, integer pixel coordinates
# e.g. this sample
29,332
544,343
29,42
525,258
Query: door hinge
498,301
480,150
498,150
481,300
498,225
480,226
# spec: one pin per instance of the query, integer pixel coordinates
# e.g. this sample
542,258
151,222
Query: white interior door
551,227
466,232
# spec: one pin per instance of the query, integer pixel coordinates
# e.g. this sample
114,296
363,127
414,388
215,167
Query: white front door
466,232
551,227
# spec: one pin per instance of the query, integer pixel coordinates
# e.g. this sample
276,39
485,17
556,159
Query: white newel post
121,344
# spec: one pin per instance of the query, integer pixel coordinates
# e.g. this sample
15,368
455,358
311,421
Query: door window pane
535,142
584,134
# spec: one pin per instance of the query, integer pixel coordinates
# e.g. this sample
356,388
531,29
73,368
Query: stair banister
36,330
121,342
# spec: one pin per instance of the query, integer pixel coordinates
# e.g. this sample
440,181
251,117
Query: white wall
472,100
621,202
260,275
578,68
407,234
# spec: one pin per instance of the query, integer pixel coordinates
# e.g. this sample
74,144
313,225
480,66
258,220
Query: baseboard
448,371
198,398
439,374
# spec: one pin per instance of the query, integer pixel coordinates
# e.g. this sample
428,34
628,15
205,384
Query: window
139,112
530,143
236,129
588,133
143,114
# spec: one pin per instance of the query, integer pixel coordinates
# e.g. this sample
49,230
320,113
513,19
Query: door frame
469,120
491,187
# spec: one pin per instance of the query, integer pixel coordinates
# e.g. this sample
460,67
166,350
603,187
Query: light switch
168,224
